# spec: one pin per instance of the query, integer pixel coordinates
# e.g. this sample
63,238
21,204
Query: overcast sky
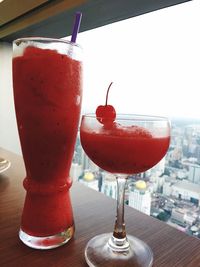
153,60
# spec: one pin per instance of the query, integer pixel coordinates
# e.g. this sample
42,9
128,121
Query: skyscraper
194,173
140,197
109,185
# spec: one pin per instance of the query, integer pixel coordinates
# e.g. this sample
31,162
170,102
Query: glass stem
119,241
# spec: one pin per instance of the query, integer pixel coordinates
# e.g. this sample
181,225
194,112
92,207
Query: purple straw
76,27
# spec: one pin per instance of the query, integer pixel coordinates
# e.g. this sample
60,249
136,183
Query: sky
153,61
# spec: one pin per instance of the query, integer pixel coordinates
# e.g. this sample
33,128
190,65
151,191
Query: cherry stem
108,93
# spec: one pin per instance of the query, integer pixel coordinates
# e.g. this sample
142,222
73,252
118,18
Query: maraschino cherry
106,114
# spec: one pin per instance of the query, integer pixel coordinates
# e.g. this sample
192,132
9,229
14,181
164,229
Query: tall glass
129,145
47,82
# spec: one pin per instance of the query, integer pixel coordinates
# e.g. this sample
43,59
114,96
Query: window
153,61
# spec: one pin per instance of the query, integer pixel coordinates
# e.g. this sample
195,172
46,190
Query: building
178,216
194,173
187,191
89,180
159,168
183,216
167,185
75,171
156,181
167,188
109,185
140,197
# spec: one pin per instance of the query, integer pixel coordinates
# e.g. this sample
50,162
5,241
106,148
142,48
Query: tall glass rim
45,40
130,117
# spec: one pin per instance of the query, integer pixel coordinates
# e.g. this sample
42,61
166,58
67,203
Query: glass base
99,252
47,242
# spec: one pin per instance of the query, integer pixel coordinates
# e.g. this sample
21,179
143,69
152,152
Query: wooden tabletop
94,214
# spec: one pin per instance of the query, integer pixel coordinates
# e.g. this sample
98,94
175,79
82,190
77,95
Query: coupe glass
130,145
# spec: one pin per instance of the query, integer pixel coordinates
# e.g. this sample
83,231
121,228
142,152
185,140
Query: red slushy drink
47,92
122,149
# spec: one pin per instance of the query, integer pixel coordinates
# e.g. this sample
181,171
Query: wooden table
94,213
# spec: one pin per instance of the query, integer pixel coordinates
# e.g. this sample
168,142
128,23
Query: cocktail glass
130,145
47,82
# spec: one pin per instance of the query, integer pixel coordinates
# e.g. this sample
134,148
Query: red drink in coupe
123,149
47,94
